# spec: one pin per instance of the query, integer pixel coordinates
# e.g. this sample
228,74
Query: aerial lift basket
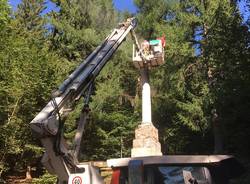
151,54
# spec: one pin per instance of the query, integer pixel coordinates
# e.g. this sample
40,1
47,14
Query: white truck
58,160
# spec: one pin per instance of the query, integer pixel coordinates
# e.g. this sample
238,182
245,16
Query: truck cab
175,169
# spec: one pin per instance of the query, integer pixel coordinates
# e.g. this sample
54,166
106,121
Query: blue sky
123,5
120,5
50,6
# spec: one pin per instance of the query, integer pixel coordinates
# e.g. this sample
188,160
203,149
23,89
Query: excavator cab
175,169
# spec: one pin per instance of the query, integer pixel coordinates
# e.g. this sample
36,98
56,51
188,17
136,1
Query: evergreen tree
4,13
228,60
28,73
200,95
179,96
187,83
113,105
80,26
29,15
77,30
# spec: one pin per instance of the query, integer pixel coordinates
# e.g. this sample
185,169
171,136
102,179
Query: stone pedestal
146,142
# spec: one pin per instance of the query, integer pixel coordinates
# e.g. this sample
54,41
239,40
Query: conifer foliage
201,99
200,95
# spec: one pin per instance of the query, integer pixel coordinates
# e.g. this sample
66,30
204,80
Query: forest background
200,96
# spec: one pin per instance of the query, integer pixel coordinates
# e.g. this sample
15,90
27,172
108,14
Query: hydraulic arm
48,123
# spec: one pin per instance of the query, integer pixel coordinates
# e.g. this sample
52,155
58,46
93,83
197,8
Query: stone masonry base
146,142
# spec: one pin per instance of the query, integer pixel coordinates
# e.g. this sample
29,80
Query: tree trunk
28,173
218,143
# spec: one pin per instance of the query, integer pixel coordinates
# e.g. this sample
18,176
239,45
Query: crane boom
48,124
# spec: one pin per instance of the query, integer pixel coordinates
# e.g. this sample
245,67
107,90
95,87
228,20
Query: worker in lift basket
145,47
